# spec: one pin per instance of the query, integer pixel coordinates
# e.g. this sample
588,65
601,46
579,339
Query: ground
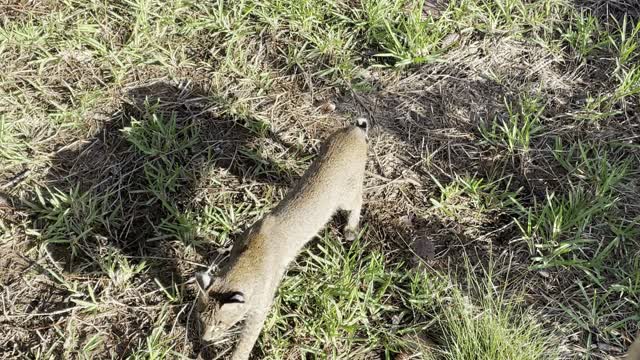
138,138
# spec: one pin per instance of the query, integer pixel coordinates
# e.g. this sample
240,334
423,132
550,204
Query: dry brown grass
139,138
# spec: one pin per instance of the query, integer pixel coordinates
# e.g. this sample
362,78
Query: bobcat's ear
236,297
204,280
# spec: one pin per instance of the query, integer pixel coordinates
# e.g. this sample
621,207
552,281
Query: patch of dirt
15,10
14,265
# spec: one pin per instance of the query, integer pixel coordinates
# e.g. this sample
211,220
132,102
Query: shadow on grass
127,196
427,134
134,193
608,10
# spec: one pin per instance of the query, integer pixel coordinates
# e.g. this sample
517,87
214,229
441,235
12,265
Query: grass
495,327
355,311
514,133
139,138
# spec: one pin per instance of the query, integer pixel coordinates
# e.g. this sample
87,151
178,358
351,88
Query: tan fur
245,288
634,350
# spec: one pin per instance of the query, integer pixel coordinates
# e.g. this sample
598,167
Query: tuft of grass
593,166
214,223
12,149
625,43
157,346
584,35
402,32
71,219
559,229
119,269
348,312
491,325
159,137
575,228
514,131
466,193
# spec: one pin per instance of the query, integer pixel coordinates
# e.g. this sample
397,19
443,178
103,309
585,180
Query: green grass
348,315
138,138
495,326
363,304
514,134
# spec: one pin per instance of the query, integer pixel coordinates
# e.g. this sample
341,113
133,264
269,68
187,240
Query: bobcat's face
218,309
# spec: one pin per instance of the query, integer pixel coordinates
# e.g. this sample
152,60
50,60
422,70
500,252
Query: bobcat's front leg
252,327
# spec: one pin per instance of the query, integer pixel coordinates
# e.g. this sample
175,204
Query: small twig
485,237
175,322
16,179
398,180
57,312
186,333
72,144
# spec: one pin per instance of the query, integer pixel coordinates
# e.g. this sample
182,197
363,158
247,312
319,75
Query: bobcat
244,289
634,350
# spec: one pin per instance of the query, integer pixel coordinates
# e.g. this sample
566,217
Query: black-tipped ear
204,280
235,297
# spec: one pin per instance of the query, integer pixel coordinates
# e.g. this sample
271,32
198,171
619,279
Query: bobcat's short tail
363,124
